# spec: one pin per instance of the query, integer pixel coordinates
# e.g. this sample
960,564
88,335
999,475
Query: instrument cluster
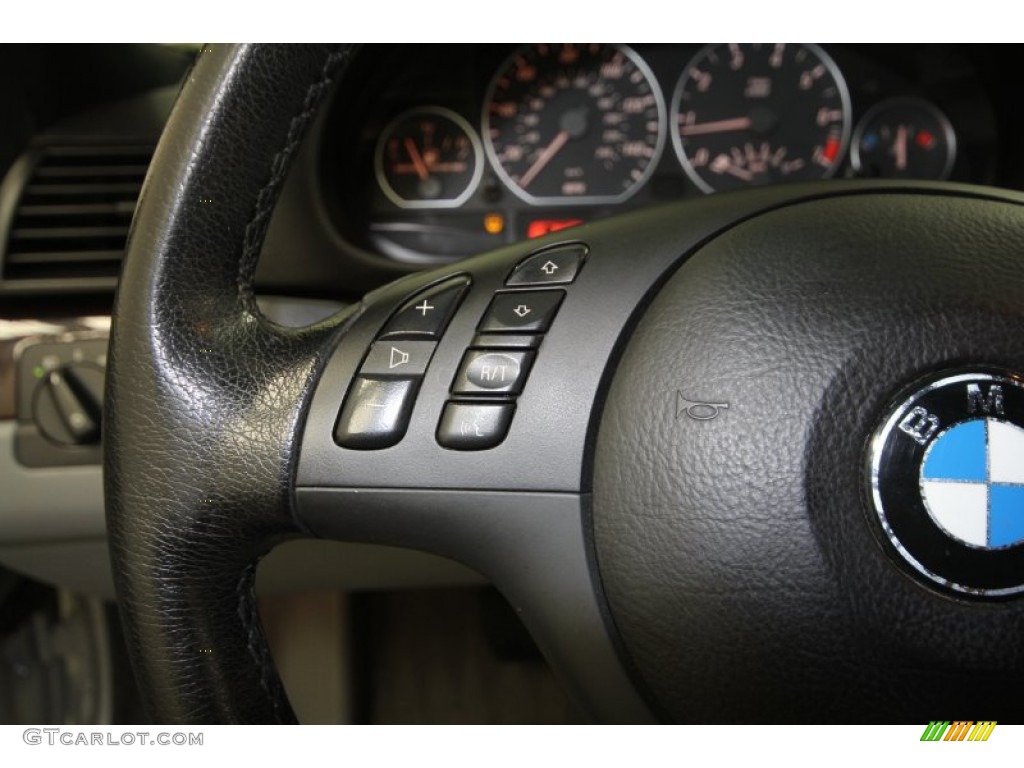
455,150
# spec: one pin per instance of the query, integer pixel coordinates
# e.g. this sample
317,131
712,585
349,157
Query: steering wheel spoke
532,546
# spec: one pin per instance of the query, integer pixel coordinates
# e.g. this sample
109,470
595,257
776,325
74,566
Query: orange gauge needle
545,157
901,148
417,158
716,126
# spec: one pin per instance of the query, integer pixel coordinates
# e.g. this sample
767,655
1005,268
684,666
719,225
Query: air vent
72,217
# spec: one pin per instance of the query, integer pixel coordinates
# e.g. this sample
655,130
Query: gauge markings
746,114
429,157
904,138
574,122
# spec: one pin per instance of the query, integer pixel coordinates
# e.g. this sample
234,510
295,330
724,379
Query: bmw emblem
947,481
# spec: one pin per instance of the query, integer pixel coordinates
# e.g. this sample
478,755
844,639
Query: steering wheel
682,442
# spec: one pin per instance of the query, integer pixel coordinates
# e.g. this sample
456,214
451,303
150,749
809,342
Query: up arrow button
552,266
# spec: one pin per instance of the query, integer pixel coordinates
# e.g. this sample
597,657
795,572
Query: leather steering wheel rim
186,543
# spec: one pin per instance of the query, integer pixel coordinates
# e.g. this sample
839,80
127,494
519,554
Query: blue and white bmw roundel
972,482
946,472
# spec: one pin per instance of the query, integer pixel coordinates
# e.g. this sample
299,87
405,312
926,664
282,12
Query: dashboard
440,152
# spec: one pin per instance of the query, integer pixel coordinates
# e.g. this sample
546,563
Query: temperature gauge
429,157
904,139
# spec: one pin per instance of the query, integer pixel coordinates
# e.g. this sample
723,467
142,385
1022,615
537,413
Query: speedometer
574,123
749,114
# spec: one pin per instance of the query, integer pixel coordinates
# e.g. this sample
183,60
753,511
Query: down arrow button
521,312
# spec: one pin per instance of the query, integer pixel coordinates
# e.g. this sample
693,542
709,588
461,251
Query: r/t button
486,372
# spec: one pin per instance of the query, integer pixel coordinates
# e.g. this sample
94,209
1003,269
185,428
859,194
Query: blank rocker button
506,340
474,426
490,372
376,413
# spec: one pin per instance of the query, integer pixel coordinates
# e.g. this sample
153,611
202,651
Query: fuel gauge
429,157
904,139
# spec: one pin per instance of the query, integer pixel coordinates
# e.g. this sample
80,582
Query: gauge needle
716,126
545,157
417,159
901,147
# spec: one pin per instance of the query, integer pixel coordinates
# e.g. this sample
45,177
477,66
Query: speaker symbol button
399,358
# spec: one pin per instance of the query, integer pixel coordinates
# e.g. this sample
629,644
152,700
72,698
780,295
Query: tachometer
574,123
746,114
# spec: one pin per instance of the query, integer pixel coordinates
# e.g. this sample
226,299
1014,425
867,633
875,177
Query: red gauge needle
716,126
417,159
545,157
901,148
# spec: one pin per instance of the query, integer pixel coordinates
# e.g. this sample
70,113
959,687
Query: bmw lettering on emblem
947,480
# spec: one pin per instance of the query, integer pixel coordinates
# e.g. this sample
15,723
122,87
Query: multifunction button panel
376,411
493,371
